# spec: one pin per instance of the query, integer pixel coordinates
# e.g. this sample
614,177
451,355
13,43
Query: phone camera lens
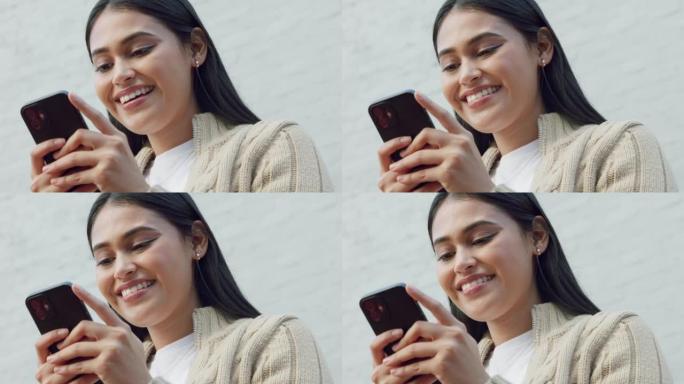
35,119
374,310
40,308
383,117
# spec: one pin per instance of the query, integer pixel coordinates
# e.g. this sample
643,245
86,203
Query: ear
545,46
198,46
200,239
539,235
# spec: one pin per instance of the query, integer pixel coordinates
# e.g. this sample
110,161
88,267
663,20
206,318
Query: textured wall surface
625,251
284,61
626,55
284,253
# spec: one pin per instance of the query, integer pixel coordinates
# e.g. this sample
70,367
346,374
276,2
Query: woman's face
143,265
489,71
143,74
484,260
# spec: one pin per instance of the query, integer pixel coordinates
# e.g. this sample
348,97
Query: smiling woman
166,281
522,122
176,121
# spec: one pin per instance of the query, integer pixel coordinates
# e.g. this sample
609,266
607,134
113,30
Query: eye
446,256
103,67
488,51
450,67
483,239
142,51
104,261
141,246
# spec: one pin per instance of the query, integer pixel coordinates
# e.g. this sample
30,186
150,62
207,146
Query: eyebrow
125,40
128,234
467,229
472,41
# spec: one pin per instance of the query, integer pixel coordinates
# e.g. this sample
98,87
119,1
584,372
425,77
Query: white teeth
131,290
470,285
485,92
142,91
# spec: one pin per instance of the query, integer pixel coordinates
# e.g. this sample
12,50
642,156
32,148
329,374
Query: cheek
450,90
105,281
445,277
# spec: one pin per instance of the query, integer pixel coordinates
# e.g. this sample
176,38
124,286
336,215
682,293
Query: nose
469,72
123,267
464,262
123,73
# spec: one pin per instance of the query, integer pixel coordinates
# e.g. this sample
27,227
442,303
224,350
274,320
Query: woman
161,270
517,313
176,122
522,122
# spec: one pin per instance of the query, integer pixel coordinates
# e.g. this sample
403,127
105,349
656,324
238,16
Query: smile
130,291
474,285
135,94
471,99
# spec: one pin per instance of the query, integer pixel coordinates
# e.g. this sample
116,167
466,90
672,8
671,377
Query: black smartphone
399,115
52,117
391,308
56,307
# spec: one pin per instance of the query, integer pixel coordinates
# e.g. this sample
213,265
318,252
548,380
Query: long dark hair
553,276
560,90
212,87
214,283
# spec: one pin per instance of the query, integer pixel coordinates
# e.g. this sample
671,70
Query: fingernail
395,372
60,345
58,141
397,332
393,165
62,332
402,153
59,369
50,357
386,360
401,178
405,140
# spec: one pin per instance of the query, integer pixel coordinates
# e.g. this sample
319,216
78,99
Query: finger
40,151
419,368
81,139
99,120
388,148
85,329
103,311
422,157
428,137
46,374
420,330
72,160
83,367
425,379
79,349
41,183
86,379
418,350
445,117
85,188
388,183
46,340
429,188
441,314
381,341
425,175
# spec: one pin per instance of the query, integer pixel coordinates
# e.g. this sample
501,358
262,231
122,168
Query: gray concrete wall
626,55
284,253
625,251
283,59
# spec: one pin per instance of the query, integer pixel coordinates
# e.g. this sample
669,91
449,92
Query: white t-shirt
516,169
172,363
171,169
510,359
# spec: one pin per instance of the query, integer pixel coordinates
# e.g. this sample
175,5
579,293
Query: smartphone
56,307
52,117
399,115
391,308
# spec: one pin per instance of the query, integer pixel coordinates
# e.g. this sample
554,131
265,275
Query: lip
470,278
130,90
463,96
129,284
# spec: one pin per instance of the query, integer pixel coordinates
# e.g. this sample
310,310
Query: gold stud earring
538,251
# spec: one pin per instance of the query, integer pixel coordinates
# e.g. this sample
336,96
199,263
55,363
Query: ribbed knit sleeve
636,164
291,164
291,356
631,356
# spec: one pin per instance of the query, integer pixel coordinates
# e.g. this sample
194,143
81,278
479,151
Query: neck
176,133
514,323
521,132
178,325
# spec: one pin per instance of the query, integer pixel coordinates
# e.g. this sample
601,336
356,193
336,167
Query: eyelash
483,53
138,247
477,242
137,53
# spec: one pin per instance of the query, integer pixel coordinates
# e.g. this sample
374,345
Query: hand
448,158
381,372
108,161
41,180
388,178
444,350
110,351
45,373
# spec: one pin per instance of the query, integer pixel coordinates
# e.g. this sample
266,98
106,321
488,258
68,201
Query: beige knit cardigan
610,157
263,350
269,156
605,348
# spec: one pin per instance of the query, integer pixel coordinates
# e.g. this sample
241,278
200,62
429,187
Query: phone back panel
52,117
398,116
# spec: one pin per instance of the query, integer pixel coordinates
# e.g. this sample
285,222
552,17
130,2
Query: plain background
626,55
284,61
284,252
625,251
